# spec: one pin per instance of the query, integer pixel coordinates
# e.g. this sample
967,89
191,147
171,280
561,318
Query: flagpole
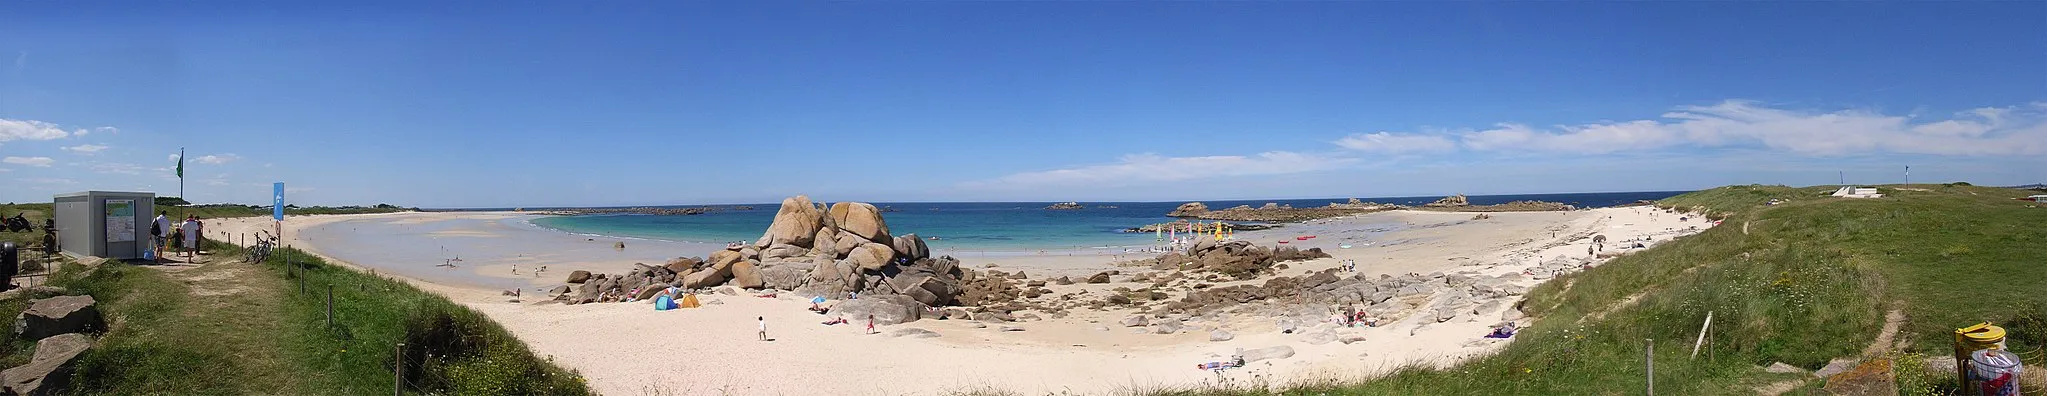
181,183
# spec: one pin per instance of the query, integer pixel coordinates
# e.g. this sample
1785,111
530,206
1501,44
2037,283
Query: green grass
256,333
1808,282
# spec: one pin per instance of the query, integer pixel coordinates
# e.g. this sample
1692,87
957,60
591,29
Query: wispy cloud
83,132
1153,167
43,162
1388,143
1996,131
86,148
29,130
1747,126
216,159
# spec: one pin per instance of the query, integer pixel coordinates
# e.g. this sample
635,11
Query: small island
1066,206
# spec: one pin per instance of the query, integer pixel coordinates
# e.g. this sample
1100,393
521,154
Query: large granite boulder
783,277
872,256
796,223
833,280
886,310
936,291
826,243
58,315
682,265
746,275
49,371
579,276
1189,209
861,219
911,248
777,251
708,277
844,242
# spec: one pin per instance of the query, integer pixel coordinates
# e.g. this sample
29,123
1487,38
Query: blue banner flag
277,203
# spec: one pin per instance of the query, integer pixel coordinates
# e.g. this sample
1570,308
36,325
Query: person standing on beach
764,327
870,324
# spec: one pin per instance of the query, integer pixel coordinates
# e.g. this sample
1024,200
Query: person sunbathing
839,320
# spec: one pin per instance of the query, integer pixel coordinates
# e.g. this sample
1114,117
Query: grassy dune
231,327
1806,281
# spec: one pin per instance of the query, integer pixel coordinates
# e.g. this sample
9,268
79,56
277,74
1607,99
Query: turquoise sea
995,227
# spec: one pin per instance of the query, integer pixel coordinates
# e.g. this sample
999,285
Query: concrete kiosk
107,224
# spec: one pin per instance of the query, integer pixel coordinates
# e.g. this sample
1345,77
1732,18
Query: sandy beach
629,348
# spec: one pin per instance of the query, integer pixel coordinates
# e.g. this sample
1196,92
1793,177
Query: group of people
185,233
1353,317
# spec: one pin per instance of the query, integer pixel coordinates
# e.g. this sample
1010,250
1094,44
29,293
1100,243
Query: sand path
629,348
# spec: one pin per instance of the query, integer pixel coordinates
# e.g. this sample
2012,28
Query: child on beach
764,327
870,324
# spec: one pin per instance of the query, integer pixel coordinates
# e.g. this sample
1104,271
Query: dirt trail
1893,320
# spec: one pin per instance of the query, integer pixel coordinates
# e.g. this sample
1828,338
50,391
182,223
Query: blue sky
481,104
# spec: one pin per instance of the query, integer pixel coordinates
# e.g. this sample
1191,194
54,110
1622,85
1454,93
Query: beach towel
664,303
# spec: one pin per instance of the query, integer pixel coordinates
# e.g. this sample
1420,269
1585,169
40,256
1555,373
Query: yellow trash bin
1971,339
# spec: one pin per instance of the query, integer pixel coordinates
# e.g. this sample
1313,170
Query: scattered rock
49,371
1836,366
887,310
1781,368
1135,321
746,276
1166,328
1102,277
58,315
1220,335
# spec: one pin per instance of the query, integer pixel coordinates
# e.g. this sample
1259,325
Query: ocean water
995,227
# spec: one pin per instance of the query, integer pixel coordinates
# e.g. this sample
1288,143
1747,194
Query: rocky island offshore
1275,212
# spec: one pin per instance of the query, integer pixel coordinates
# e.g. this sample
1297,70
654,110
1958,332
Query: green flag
181,163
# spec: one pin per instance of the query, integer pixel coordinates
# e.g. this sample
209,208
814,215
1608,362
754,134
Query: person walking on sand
870,324
764,327
191,231
160,232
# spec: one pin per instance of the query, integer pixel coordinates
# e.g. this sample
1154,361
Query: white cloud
216,159
30,161
1153,167
112,130
2004,131
86,148
1387,143
29,130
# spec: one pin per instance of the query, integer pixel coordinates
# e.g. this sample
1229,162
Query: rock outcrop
58,315
1065,206
1237,259
1449,202
1189,209
886,310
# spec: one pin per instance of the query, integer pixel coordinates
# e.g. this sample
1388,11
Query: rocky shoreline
1273,212
1184,224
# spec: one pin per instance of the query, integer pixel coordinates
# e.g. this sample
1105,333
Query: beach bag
664,303
149,255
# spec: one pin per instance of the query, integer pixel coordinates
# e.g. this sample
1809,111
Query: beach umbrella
817,300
